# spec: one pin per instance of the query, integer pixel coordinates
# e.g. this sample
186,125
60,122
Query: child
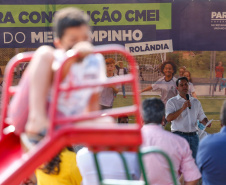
108,93
191,89
34,91
166,84
182,69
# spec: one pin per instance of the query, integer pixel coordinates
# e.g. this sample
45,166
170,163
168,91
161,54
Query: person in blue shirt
211,154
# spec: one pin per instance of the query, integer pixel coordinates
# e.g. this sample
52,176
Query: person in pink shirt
157,169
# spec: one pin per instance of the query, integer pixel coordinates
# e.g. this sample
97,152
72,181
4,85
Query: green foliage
198,64
174,57
200,61
221,56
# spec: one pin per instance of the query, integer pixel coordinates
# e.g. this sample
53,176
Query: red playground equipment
15,165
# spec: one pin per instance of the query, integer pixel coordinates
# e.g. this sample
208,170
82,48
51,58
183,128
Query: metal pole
213,70
211,59
125,166
100,178
164,56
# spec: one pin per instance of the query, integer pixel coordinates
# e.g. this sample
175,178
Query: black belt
186,133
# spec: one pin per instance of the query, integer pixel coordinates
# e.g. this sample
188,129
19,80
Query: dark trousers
218,80
193,142
123,90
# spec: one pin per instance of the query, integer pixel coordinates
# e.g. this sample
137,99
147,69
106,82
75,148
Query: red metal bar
128,110
102,50
126,79
22,165
7,89
25,57
17,165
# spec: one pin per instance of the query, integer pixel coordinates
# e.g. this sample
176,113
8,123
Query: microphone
187,96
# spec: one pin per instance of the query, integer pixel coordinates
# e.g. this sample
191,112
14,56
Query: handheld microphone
187,96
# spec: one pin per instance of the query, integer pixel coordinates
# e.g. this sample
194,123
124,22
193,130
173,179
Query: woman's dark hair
171,63
53,167
68,17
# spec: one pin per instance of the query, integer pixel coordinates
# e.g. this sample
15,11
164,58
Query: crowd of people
178,105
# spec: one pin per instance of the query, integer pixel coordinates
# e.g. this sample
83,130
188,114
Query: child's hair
171,63
189,75
110,61
68,17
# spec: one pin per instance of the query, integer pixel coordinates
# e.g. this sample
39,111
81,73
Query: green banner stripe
158,14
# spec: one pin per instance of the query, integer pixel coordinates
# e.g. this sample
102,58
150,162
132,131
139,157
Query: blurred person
182,69
72,31
121,70
219,71
166,84
177,148
108,93
211,154
110,163
184,113
191,89
62,169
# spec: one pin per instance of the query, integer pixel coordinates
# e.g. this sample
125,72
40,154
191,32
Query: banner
197,25
145,48
191,25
